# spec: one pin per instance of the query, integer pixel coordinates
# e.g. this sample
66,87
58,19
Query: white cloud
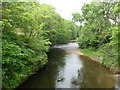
66,7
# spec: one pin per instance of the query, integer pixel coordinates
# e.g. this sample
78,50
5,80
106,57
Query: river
66,69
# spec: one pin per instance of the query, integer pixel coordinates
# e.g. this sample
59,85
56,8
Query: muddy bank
115,72
97,59
93,58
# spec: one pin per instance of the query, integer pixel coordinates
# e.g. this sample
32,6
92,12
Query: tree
100,30
29,29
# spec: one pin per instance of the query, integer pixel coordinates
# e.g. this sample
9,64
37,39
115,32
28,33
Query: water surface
66,69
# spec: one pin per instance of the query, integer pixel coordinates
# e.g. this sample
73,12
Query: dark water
66,69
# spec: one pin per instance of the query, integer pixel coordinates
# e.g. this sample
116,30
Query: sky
66,7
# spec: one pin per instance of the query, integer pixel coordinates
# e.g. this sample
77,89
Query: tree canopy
29,28
100,30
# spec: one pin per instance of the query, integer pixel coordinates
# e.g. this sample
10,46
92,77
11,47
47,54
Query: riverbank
91,53
114,72
67,69
81,53
97,58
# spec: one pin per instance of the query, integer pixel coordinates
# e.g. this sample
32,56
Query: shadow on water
69,70
45,77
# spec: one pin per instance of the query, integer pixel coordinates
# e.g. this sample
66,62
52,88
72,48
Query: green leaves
23,43
100,30
96,23
77,17
28,31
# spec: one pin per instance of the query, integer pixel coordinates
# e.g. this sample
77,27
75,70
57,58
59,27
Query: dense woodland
100,31
29,29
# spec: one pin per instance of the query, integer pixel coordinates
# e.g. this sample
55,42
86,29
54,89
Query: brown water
66,69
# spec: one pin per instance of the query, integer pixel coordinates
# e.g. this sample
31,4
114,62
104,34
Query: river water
66,69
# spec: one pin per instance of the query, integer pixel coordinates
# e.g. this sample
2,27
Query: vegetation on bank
28,30
100,31
90,52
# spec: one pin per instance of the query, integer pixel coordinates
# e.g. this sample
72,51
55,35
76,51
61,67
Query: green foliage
100,30
110,52
57,29
28,31
91,51
21,53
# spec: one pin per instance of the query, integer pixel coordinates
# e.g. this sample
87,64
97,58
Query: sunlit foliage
100,30
28,30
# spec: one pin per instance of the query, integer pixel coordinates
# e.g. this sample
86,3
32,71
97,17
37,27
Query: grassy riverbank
97,53
90,52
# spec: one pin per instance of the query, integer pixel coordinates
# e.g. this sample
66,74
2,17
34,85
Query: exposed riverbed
67,69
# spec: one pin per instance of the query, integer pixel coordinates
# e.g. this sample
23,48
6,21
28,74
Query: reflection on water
68,46
69,70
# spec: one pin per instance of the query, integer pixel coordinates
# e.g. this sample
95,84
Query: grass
90,52
109,62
